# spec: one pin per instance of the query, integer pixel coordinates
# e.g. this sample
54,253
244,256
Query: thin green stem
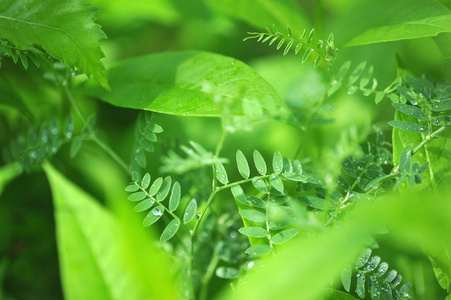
430,137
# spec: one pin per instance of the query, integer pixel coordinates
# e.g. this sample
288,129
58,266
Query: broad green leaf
97,258
284,236
138,196
410,110
281,223
259,250
276,182
255,232
190,211
189,83
346,277
404,19
221,173
238,193
65,29
174,200
144,205
437,153
170,230
443,41
154,215
164,189
408,126
259,163
277,162
253,215
243,166
420,85
155,187
264,13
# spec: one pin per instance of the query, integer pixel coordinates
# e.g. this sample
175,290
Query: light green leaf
145,182
253,215
255,201
243,166
277,162
255,232
138,196
405,19
295,177
284,236
238,193
360,284
189,83
75,146
355,75
318,203
264,13
190,211
65,29
170,230
154,215
346,277
144,205
260,184
259,163
221,173
259,250
276,182
408,126
227,272
165,188
155,187
97,258
174,200
131,188
405,160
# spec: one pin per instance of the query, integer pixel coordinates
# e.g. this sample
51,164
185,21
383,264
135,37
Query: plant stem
430,137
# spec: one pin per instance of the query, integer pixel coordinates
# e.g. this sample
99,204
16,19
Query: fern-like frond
325,50
32,53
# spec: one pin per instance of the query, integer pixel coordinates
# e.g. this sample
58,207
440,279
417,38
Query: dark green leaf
253,215
153,216
405,160
190,211
170,230
75,146
259,250
259,163
420,85
255,232
221,173
243,166
164,189
346,277
174,200
318,203
155,187
284,236
140,157
410,110
442,105
277,162
407,126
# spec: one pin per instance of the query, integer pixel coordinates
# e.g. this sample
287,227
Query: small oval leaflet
374,289
410,110
360,284
174,200
221,173
260,184
255,232
259,250
287,165
238,193
396,281
138,196
253,215
190,211
363,259
277,162
357,72
170,230
405,160
372,263
318,203
276,182
386,291
156,185
284,236
243,166
227,272
346,277
383,267
131,188
407,126
145,182
255,201
165,188
391,276
144,205
295,177
140,158
259,163
343,71
153,216
281,223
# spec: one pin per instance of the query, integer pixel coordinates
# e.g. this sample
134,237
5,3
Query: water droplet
44,139
198,216
157,211
250,264
421,128
259,181
233,234
69,135
55,131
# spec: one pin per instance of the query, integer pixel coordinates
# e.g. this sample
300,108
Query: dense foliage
225,149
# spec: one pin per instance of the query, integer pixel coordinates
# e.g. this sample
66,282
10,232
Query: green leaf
259,163
386,291
227,272
366,77
404,19
138,196
295,177
255,201
277,162
63,28
355,75
189,83
405,160
255,232
170,230
190,211
174,200
144,205
243,166
318,203
442,105
363,258
155,187
253,215
238,193
131,188
281,223
259,250
154,215
75,146
276,182
260,184
408,126
284,236
360,284
145,181
346,277
410,110
374,289
164,189
221,173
